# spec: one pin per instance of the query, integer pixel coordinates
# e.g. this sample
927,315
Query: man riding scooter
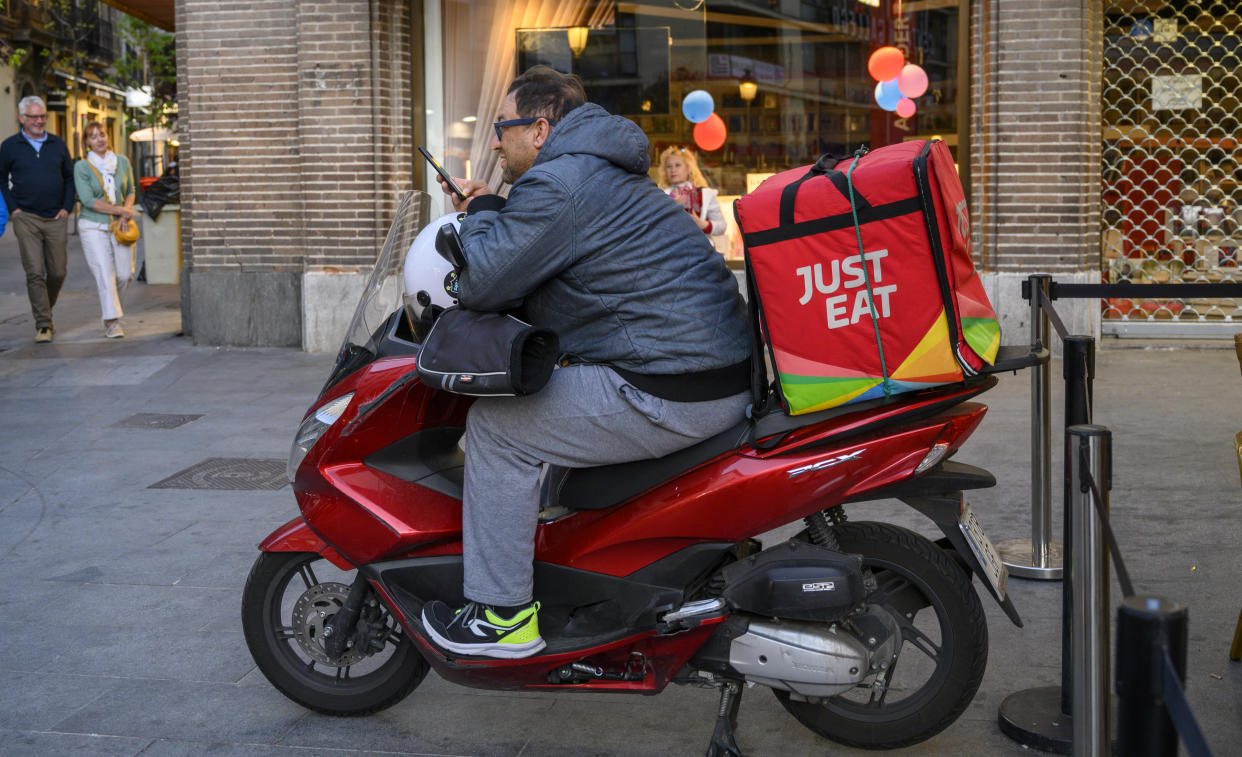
648,315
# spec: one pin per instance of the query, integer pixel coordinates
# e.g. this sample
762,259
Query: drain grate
155,420
228,473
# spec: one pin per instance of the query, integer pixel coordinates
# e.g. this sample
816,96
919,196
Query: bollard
1040,558
1146,626
1090,449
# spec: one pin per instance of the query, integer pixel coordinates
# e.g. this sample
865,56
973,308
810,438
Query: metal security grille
1172,186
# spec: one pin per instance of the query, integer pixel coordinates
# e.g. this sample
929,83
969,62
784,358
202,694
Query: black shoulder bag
487,354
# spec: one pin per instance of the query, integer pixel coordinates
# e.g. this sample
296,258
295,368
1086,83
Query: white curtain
475,82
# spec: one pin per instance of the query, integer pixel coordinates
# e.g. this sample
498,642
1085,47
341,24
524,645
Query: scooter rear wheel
941,659
288,598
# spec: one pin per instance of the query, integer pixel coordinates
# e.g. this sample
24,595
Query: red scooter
648,573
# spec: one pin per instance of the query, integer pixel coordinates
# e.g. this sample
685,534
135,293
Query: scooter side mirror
448,244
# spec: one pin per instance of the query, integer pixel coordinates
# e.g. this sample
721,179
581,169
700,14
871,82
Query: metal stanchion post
1043,717
1040,557
1090,449
1146,626
1079,372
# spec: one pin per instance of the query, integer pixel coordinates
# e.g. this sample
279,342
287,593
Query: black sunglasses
500,125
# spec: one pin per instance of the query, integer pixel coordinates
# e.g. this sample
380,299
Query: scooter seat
609,485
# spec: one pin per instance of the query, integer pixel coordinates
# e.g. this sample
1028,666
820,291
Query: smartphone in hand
448,180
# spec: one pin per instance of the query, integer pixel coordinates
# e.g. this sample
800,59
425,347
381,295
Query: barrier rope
1179,710
1045,304
862,256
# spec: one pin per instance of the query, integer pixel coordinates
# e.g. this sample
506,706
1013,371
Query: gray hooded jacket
590,247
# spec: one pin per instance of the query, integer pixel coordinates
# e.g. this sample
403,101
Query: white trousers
112,263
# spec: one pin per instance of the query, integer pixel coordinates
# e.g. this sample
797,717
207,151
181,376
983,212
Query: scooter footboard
296,536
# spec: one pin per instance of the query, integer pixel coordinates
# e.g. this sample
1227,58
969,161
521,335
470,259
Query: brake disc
311,614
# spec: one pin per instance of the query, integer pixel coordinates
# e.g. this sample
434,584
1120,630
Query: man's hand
472,187
15,211
62,214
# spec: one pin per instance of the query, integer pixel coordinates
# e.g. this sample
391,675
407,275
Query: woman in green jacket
105,187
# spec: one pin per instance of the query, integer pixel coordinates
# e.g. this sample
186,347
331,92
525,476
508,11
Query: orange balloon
886,63
710,134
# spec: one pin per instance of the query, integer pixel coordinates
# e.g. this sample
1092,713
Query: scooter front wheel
941,657
288,598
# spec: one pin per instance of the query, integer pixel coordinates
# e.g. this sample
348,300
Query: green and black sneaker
477,629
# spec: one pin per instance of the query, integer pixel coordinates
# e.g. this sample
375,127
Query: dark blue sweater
42,181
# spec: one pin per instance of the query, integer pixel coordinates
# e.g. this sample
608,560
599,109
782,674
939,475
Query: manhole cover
229,473
155,420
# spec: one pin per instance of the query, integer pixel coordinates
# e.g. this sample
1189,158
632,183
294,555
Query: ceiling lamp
577,39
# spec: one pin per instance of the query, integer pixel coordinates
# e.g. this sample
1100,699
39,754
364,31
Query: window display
785,82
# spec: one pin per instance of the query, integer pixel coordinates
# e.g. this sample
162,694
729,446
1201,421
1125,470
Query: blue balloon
697,106
887,94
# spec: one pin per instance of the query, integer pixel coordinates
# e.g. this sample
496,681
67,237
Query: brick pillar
1035,125
295,123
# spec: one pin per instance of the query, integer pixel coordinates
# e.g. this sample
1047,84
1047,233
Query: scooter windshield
379,326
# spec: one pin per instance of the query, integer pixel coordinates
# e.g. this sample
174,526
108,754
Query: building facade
299,124
63,59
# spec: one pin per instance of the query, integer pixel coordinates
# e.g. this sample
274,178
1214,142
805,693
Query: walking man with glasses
653,328
38,166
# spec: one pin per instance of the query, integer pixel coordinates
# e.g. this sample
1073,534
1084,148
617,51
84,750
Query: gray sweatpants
587,415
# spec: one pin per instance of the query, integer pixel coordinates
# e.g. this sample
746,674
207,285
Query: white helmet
430,280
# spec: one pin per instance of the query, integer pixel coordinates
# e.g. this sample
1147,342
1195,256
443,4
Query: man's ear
543,129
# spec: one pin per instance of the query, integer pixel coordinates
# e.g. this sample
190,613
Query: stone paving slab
186,709
49,744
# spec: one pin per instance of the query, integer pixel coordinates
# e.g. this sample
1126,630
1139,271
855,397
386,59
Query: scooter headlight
312,428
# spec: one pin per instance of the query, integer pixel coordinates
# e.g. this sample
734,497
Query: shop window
788,79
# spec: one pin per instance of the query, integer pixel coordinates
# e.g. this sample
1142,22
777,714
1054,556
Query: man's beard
507,174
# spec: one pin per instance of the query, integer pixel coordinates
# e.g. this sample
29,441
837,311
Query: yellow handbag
131,233
127,236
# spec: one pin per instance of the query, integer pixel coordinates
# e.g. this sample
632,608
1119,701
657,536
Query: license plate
995,570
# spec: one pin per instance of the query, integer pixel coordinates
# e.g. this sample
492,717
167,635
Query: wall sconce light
577,39
747,87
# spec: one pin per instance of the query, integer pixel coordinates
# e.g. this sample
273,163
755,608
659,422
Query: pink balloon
905,107
912,81
885,63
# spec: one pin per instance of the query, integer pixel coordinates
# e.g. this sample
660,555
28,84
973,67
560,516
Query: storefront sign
56,100
1164,30
720,66
1177,92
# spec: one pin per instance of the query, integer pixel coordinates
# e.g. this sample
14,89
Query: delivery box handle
826,163
825,166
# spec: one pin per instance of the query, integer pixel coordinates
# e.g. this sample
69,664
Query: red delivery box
862,273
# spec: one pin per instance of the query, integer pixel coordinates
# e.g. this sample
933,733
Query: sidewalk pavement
120,620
